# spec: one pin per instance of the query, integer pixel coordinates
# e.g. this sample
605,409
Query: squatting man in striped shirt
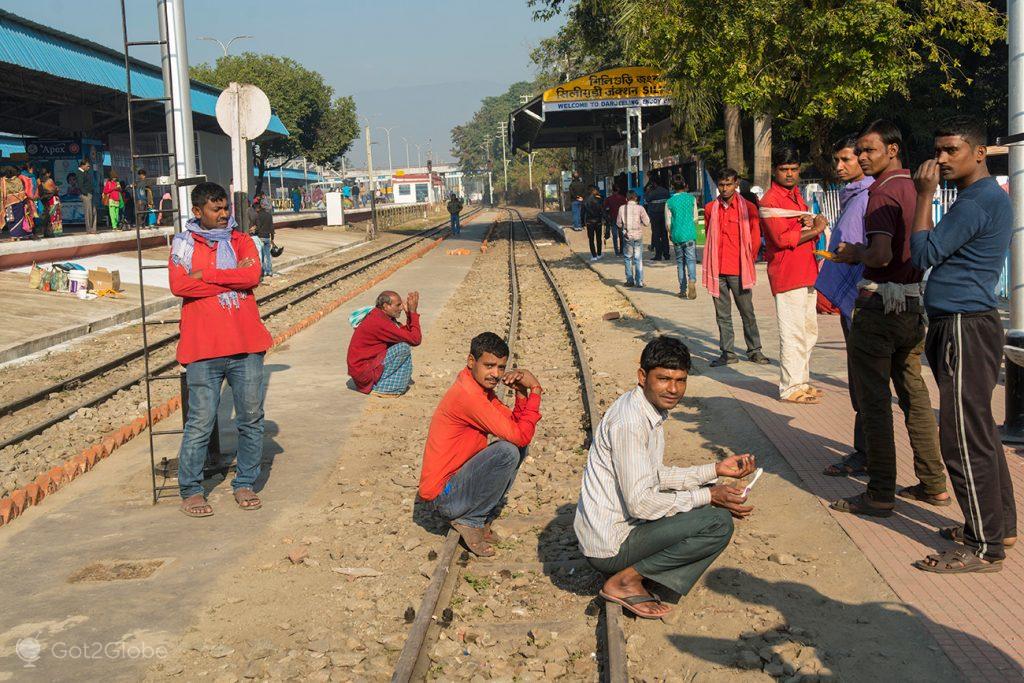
638,518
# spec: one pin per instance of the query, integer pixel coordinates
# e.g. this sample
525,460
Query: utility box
335,208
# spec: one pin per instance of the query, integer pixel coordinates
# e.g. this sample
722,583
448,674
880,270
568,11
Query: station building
65,99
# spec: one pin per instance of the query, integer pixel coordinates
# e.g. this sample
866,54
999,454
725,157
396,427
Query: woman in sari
113,200
49,196
17,207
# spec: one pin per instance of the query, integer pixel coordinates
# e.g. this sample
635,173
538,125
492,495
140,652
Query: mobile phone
757,475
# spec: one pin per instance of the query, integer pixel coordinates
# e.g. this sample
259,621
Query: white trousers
798,333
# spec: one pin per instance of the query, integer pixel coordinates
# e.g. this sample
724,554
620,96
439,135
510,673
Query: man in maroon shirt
213,268
887,333
611,211
379,354
790,234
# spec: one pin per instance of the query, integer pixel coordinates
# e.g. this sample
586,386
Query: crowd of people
639,521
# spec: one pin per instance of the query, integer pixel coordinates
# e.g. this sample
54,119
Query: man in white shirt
638,518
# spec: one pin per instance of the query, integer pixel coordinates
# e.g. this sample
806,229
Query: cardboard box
101,279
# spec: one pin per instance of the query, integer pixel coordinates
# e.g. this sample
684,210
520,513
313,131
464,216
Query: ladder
165,468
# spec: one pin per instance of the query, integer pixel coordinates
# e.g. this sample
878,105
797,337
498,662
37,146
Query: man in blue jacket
966,251
837,282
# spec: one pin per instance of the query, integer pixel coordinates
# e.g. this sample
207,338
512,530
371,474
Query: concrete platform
106,515
37,320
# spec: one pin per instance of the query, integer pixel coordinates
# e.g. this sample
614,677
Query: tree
802,65
321,127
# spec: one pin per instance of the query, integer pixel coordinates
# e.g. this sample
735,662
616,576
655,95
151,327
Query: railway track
527,283
30,415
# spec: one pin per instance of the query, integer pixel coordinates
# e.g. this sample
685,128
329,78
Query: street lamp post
419,161
406,141
222,45
387,132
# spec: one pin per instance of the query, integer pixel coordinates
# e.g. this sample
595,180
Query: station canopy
573,113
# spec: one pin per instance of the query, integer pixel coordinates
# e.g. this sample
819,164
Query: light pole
406,141
1013,425
419,161
387,132
222,45
372,227
504,160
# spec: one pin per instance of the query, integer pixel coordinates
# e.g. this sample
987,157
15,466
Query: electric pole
371,228
502,130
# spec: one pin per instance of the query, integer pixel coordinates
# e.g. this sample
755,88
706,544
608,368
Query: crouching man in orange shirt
464,478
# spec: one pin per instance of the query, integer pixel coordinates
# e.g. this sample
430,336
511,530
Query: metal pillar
635,150
174,62
1013,426
371,228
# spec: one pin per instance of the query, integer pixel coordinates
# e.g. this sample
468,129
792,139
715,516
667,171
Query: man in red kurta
379,354
790,234
213,268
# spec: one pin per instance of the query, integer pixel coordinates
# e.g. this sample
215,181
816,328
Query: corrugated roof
39,48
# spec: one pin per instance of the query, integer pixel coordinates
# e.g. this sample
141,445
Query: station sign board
630,86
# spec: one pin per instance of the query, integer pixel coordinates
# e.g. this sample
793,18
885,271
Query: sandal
474,540
196,506
628,603
958,561
800,397
490,535
814,391
247,499
853,465
917,492
861,505
956,534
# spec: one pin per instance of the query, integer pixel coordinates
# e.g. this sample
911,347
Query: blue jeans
577,215
686,262
456,228
265,257
476,493
633,255
244,374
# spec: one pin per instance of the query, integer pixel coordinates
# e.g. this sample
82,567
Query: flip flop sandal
957,561
628,603
490,535
853,465
917,492
956,534
857,505
200,509
800,397
814,391
246,495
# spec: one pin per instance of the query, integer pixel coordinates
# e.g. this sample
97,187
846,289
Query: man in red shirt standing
465,479
379,354
611,213
790,235
887,333
214,268
733,240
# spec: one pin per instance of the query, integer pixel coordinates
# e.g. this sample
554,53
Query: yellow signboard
630,86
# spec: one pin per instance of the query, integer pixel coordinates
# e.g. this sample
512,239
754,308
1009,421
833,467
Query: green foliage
477,583
320,126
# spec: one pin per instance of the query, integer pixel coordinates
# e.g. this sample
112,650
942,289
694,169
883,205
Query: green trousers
674,551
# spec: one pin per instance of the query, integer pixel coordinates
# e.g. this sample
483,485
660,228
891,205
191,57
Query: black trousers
594,237
613,231
659,237
965,351
730,286
859,444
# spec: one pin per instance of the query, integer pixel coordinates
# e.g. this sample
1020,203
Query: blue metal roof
291,174
11,144
38,48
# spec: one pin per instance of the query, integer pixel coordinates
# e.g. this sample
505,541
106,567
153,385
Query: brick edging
54,479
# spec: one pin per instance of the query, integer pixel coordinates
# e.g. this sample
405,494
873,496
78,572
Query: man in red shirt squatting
790,233
379,354
213,268
464,478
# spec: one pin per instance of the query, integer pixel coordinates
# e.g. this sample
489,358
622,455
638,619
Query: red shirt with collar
729,244
464,418
208,329
790,265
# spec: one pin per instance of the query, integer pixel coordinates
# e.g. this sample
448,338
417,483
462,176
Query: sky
419,68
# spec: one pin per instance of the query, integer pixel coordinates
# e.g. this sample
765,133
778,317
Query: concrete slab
41,320
106,515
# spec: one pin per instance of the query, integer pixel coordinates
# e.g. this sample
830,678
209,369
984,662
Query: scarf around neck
183,248
711,264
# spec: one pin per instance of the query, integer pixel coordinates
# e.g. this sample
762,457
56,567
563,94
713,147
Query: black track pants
965,351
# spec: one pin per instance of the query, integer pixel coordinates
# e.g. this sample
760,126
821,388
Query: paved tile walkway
978,619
